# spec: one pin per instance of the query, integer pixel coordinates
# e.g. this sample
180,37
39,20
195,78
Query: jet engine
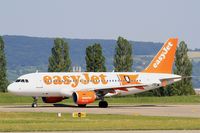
52,99
84,97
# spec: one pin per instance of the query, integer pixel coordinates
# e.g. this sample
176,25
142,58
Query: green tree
60,60
183,67
3,76
159,92
123,59
95,61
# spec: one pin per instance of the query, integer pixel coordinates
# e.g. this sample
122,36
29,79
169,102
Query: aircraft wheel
103,104
34,105
81,105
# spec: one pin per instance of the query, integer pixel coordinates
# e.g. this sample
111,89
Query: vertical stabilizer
163,61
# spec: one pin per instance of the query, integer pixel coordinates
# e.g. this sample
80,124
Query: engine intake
84,97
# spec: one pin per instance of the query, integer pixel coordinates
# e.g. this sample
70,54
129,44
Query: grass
194,54
6,98
38,121
50,122
155,100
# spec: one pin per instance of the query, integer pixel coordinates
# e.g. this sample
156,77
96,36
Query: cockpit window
18,80
22,80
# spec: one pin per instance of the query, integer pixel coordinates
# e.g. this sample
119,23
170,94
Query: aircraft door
39,83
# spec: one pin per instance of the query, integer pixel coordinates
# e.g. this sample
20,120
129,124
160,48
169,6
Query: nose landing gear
34,104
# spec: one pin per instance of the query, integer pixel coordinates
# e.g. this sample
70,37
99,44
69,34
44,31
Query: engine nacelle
52,99
84,97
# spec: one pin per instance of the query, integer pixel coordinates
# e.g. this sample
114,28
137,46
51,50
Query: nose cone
11,88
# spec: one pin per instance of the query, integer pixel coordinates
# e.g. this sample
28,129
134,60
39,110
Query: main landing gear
103,104
34,104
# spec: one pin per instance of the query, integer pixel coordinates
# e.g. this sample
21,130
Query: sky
137,20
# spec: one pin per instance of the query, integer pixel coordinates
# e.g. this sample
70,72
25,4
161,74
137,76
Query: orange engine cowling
52,99
84,97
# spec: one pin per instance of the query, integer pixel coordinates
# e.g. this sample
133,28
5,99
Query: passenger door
39,81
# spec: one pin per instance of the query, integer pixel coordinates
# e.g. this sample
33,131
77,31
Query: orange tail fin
163,61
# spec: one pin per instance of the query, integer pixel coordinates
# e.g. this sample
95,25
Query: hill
33,51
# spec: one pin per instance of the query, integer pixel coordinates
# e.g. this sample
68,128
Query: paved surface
148,110
153,131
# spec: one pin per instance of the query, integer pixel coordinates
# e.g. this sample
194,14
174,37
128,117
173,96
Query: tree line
59,61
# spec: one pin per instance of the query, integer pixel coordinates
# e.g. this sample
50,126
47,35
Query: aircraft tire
34,105
103,104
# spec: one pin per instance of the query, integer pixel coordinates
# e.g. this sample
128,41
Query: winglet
163,61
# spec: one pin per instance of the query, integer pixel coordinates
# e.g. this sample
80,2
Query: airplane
86,87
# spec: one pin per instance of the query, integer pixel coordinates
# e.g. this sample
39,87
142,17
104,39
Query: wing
103,91
116,87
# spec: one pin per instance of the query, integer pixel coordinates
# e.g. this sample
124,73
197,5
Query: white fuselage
65,83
